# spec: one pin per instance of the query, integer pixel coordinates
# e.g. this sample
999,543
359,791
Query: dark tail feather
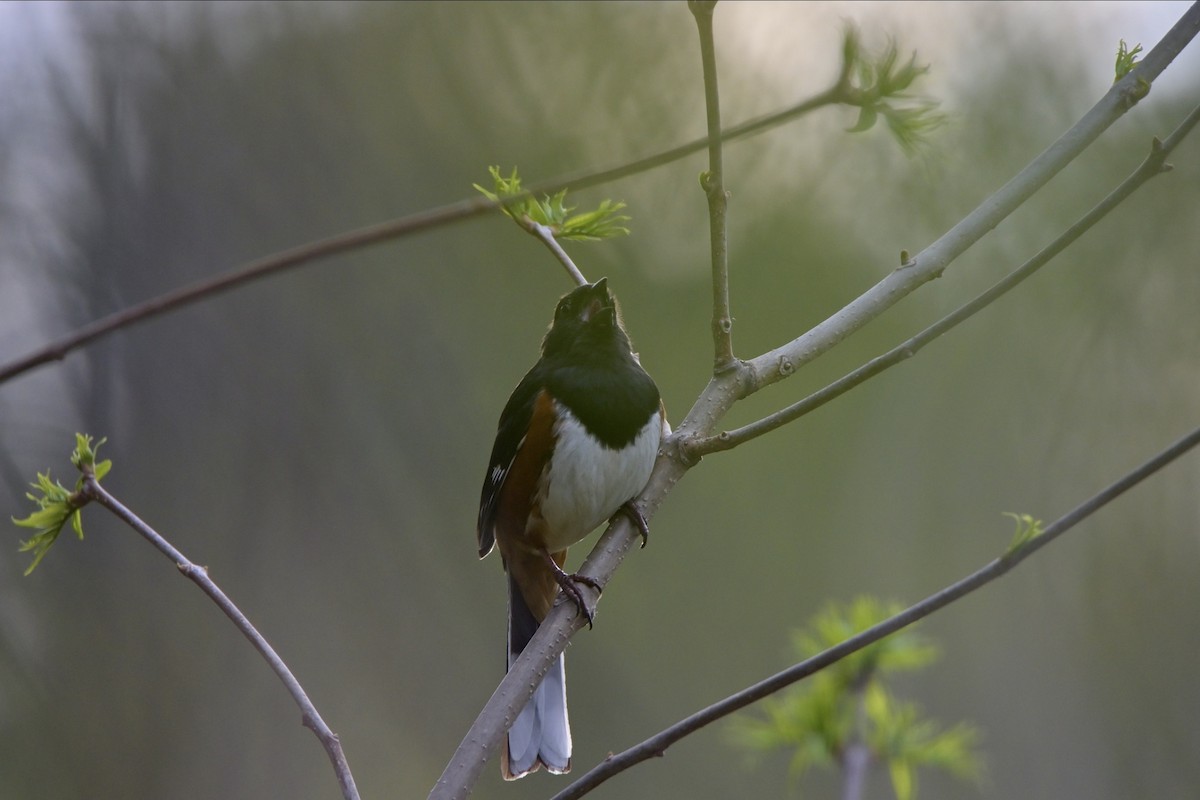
541,735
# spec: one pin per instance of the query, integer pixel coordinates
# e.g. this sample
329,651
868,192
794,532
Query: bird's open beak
600,300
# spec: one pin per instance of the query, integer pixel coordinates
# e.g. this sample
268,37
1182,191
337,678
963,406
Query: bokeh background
318,439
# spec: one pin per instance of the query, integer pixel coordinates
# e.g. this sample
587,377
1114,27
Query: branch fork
694,436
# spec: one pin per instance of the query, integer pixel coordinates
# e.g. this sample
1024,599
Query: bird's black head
586,321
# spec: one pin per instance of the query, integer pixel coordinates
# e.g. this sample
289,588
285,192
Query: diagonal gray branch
724,389
657,745
1154,164
930,262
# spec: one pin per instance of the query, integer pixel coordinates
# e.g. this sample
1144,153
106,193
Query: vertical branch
857,755
713,183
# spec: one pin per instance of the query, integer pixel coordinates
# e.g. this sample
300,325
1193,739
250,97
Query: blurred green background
318,439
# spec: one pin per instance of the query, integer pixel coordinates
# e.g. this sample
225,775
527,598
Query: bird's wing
510,435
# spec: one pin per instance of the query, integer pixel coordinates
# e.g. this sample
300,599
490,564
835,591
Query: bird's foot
569,583
630,510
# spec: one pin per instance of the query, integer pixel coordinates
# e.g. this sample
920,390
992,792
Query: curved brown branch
657,745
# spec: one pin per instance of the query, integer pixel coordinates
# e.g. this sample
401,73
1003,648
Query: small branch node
681,449
728,365
1133,94
1158,156
786,367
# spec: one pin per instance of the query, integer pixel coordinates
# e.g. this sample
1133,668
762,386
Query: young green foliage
604,222
896,728
879,87
1027,529
1126,60
57,506
901,652
849,704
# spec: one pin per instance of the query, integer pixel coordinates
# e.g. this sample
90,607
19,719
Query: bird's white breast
586,482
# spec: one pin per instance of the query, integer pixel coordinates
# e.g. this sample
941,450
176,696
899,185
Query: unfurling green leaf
552,212
906,740
903,781
879,85
1126,60
502,188
1027,529
851,45
848,705
602,223
57,505
84,455
866,120
911,125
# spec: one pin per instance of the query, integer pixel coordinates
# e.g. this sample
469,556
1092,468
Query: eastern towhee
576,443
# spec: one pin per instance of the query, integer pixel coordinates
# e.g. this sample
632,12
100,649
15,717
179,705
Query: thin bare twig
396,229
785,360
546,236
723,390
657,745
311,718
1153,165
713,182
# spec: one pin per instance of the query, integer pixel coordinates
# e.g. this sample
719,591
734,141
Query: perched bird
576,443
